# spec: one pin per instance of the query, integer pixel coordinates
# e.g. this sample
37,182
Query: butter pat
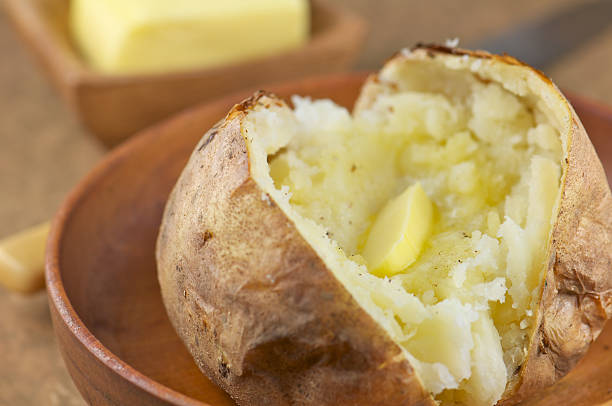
399,232
123,36
22,258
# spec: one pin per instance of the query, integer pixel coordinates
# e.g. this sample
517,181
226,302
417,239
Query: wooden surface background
44,151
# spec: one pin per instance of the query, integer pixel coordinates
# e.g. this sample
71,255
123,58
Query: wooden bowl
106,307
115,106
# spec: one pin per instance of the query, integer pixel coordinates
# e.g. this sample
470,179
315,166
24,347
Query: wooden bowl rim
56,292
55,288
73,70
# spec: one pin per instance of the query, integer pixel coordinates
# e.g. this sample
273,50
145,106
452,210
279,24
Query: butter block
399,232
129,36
22,259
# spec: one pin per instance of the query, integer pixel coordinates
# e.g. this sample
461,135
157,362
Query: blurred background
44,150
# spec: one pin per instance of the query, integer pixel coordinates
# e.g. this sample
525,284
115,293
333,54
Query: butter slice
22,259
399,232
127,36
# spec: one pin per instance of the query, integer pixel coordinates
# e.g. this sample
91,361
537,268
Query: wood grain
104,287
111,326
44,151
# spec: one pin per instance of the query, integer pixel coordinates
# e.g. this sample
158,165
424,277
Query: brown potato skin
576,298
577,294
257,308
268,322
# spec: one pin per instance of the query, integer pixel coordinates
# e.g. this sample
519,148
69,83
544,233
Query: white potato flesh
488,159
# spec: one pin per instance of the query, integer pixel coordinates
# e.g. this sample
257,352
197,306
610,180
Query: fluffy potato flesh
488,156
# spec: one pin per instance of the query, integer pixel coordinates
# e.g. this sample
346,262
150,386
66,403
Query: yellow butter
399,232
122,36
22,258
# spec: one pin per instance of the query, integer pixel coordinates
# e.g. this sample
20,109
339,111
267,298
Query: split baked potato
449,241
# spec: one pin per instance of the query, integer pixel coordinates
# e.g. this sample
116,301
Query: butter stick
130,36
22,258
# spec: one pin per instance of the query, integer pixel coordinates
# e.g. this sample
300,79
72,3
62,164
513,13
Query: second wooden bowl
115,106
105,302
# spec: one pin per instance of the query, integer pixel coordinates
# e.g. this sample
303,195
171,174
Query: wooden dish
115,106
110,323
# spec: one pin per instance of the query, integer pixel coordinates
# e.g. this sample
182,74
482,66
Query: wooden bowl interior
107,260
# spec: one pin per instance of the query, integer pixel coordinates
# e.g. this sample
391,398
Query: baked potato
449,241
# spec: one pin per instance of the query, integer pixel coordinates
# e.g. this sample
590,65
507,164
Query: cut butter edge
22,258
399,232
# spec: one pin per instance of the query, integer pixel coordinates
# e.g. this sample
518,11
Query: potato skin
257,308
268,322
576,300
576,297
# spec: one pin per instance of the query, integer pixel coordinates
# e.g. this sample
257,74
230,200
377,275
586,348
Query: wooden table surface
44,151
